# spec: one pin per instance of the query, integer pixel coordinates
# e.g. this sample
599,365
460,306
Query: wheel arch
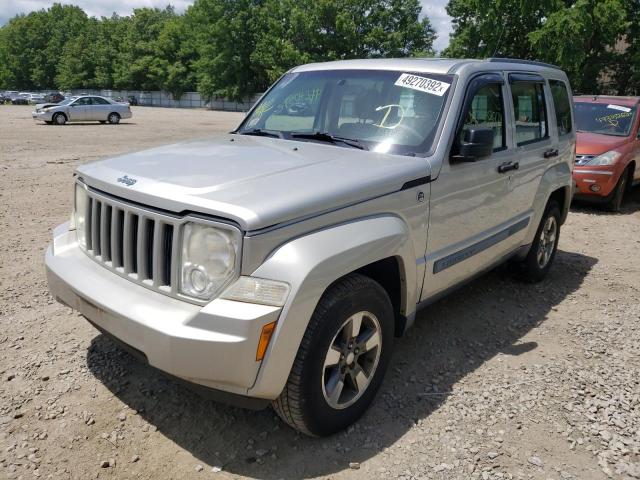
375,247
556,183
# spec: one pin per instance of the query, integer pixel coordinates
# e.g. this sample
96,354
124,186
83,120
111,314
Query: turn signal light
265,337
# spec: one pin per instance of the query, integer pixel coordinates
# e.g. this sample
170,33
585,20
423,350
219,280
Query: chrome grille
133,242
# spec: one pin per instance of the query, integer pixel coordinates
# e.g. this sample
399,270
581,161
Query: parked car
277,263
21,98
608,148
35,98
82,109
54,97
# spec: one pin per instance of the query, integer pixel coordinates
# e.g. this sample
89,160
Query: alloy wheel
351,360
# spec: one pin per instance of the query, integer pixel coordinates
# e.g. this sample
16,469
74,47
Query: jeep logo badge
127,181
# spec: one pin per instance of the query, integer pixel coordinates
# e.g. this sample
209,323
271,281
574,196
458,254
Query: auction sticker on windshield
422,84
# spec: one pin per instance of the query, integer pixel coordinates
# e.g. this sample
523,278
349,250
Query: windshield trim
425,149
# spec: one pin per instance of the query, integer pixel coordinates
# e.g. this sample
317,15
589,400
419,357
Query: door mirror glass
477,143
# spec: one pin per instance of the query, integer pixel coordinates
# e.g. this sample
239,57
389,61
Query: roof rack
526,62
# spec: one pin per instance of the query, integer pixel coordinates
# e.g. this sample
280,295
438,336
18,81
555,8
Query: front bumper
42,116
213,346
594,181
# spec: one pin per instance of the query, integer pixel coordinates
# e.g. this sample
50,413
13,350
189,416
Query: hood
255,181
40,106
596,143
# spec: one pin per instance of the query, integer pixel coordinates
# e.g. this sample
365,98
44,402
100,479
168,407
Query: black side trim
416,182
470,251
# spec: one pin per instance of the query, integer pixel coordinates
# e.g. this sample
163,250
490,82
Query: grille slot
133,242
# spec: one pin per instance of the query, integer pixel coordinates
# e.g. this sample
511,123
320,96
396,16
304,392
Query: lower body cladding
213,346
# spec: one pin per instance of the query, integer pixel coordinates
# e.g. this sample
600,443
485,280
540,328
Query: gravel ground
500,380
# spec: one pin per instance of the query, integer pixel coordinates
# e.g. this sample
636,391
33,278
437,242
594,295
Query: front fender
313,262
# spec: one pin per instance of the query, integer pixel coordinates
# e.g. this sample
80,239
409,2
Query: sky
434,9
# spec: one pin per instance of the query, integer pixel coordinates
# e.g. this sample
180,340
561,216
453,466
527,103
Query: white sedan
84,108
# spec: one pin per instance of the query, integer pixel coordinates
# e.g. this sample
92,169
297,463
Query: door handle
505,167
550,153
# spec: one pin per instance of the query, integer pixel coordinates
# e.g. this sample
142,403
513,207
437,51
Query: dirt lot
500,380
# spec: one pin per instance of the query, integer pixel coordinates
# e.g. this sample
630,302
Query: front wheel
59,119
342,358
615,202
543,250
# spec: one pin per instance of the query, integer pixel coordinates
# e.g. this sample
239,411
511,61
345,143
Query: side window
487,111
82,101
99,101
562,106
530,112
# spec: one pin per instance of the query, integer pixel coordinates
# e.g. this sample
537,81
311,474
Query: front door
472,220
78,109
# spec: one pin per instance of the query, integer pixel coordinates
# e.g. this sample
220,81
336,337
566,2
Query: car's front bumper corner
213,346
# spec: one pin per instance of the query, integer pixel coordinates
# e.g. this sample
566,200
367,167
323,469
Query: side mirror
476,144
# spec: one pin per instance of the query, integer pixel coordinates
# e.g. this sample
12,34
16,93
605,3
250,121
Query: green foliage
577,35
230,48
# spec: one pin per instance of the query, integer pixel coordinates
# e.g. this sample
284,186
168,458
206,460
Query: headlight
80,208
208,260
607,158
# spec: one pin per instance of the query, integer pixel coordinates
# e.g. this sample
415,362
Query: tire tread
288,405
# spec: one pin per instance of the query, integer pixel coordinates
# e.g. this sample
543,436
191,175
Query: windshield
67,101
384,111
605,119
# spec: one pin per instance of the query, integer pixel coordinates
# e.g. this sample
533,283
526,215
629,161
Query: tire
59,119
543,249
113,118
309,402
615,202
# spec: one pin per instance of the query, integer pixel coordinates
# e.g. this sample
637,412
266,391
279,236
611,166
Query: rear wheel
114,118
59,119
615,202
543,249
341,360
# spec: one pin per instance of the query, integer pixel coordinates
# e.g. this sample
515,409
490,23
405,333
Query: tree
244,45
627,68
581,38
230,48
577,35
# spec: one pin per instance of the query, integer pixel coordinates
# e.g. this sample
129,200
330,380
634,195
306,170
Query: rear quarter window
562,105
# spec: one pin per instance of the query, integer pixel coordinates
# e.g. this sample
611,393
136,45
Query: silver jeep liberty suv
277,263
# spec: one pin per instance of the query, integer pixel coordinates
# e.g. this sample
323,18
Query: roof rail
526,62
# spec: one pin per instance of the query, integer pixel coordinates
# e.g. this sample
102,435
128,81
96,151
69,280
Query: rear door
99,109
472,221
536,142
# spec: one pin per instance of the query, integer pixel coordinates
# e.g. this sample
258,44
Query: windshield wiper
258,132
327,137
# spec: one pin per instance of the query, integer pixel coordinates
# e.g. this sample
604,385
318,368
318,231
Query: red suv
608,148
